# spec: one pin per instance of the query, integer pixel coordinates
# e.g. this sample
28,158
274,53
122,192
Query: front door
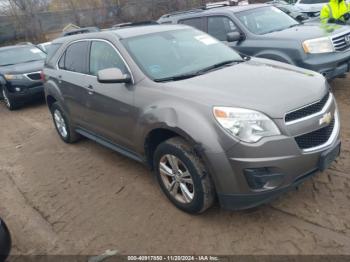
112,112
220,26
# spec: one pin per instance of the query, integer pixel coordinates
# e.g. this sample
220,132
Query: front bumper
330,65
248,175
27,94
250,200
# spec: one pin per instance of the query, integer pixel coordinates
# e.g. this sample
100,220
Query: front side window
266,20
76,57
103,56
172,53
220,26
19,55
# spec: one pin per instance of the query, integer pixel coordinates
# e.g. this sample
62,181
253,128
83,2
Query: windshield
179,52
21,55
266,20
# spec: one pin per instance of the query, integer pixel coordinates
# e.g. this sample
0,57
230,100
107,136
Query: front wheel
9,102
183,177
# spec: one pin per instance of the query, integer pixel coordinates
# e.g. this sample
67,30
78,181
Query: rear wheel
63,125
183,177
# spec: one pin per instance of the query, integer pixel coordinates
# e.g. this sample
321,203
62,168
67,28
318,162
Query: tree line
24,13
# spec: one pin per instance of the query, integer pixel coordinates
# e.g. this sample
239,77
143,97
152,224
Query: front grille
308,110
34,76
316,138
339,42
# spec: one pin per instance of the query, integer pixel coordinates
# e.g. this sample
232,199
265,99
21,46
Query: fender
2,81
51,89
184,120
195,126
275,55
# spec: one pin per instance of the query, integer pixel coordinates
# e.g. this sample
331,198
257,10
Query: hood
23,68
267,86
308,31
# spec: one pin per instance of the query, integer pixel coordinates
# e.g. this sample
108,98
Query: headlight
319,45
14,77
247,125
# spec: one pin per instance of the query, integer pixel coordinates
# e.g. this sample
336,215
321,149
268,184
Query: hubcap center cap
177,177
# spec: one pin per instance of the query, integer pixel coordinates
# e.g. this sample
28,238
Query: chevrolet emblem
326,119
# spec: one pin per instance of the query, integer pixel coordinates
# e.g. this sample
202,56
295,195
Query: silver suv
210,123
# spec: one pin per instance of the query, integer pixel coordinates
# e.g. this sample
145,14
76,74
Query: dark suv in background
20,74
265,31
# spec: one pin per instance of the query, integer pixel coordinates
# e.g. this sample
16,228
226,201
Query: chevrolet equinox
209,122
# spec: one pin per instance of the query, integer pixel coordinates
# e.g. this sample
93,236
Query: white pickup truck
311,7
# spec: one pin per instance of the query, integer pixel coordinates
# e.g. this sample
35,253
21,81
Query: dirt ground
86,199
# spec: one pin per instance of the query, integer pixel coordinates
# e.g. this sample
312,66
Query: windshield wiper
199,72
280,29
176,77
293,25
219,65
8,65
34,60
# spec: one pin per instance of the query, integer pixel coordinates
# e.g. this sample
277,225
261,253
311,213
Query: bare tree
24,13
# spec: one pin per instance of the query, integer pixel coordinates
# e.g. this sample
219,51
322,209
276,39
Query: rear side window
76,58
51,51
220,26
194,22
103,56
62,60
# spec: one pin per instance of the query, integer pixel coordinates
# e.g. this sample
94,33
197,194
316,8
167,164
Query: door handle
90,90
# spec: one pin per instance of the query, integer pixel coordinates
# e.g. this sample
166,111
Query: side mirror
301,18
112,76
234,37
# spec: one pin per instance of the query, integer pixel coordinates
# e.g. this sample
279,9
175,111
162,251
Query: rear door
73,67
112,114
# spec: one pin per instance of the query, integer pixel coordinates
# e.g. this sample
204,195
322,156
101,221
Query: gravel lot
85,199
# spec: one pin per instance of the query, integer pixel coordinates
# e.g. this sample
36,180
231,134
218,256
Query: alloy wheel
6,99
177,178
60,123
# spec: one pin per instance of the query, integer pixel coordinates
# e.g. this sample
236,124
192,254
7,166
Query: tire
10,103
63,125
192,188
5,241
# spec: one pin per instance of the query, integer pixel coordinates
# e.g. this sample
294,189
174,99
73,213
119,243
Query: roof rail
206,7
130,24
221,4
196,10
24,43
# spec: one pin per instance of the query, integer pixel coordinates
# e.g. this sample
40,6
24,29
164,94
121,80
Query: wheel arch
50,100
53,94
159,134
275,55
